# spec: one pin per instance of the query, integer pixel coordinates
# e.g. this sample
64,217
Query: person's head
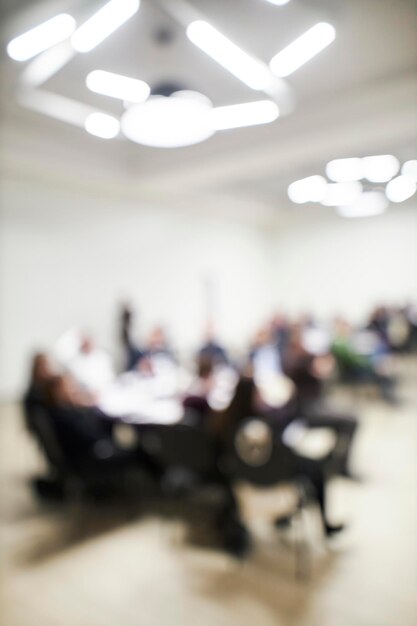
157,338
41,370
242,404
296,336
263,337
342,328
205,367
87,344
59,391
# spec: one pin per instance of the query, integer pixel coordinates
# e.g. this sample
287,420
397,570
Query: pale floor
72,567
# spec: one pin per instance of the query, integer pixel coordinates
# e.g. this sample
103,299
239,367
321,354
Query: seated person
362,358
246,403
196,397
159,354
280,330
212,349
158,344
91,367
35,395
265,356
81,431
84,432
307,371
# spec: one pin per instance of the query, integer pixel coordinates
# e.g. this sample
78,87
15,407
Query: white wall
68,260
331,265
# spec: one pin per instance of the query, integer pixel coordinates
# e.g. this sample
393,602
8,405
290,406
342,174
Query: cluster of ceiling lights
353,187
185,117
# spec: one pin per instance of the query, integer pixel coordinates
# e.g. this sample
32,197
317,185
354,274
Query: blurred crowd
75,399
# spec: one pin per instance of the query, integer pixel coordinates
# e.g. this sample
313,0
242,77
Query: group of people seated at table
302,353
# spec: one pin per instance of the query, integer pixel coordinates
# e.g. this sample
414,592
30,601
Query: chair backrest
256,456
181,446
44,432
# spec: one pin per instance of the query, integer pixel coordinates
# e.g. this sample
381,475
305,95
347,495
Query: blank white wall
68,260
330,265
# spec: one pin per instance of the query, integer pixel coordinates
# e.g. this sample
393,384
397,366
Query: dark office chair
189,457
256,456
68,476
186,453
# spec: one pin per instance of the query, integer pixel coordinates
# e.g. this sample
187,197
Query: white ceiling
356,97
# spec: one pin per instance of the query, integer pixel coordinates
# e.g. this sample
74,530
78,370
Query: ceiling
357,97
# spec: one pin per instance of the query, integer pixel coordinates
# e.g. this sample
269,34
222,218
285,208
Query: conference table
136,399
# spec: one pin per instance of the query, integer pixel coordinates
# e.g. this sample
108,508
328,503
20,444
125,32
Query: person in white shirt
91,367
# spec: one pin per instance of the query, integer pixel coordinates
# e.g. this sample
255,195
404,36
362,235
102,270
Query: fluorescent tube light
341,194
302,49
47,64
118,86
369,204
56,106
247,69
248,114
380,168
41,37
310,189
410,169
400,189
345,170
102,125
103,23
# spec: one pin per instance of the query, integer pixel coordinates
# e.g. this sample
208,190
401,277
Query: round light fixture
182,119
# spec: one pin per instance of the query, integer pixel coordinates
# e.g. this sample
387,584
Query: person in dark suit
82,431
212,350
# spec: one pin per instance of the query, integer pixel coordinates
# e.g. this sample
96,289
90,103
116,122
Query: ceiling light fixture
400,189
47,64
310,189
302,49
410,169
41,37
369,204
278,3
380,168
118,86
181,119
103,23
341,194
247,114
102,125
253,73
56,106
345,170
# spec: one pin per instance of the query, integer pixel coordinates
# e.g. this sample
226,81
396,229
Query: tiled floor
72,567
